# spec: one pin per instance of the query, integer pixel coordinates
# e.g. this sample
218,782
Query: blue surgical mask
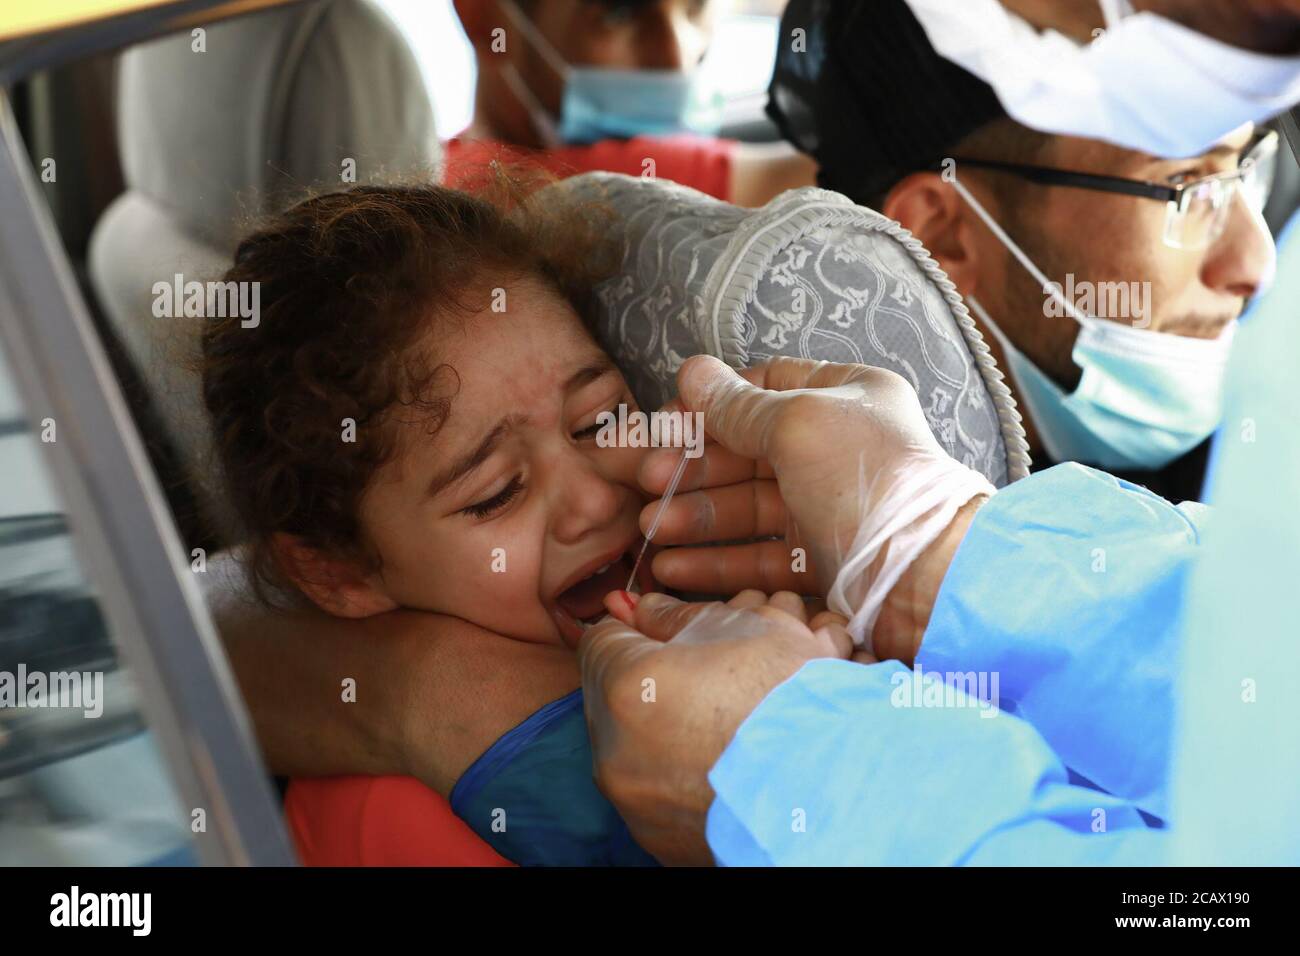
1145,398
600,103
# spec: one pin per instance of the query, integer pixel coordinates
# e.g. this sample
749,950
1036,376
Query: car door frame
124,535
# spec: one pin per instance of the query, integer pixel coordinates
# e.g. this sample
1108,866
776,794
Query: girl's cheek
511,554
499,584
619,466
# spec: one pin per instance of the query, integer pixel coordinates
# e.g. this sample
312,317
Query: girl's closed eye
590,431
490,506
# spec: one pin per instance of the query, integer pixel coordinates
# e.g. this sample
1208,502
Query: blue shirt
532,796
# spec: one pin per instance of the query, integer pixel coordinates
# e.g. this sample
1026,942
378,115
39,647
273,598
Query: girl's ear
335,585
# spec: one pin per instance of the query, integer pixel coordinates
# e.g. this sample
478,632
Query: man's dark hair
863,92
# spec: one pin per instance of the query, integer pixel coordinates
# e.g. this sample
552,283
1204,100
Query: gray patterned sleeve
810,275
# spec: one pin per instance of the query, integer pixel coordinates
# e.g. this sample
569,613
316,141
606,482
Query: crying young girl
412,424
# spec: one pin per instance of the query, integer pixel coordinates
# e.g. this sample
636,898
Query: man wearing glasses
1108,282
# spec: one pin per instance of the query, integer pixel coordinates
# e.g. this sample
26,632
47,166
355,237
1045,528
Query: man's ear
335,585
932,211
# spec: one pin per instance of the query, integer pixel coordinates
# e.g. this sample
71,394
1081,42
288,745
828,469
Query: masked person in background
609,85
1108,281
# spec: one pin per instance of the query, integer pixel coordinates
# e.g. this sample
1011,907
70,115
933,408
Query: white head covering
1148,84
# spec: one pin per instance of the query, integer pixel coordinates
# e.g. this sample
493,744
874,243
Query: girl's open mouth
584,601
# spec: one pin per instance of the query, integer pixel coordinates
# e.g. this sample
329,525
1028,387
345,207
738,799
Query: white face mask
1145,398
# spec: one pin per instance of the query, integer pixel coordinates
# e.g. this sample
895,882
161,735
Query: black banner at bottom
206,906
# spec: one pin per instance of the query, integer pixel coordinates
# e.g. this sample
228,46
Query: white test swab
663,505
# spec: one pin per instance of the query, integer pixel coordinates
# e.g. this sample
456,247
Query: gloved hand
660,714
860,481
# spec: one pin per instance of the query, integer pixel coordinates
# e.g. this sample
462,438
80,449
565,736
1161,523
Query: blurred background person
612,85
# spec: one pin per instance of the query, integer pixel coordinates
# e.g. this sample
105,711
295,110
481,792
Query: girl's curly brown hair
349,282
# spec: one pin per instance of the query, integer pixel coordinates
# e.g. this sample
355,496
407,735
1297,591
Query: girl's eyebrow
464,465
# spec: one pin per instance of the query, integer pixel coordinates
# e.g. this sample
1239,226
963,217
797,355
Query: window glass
81,782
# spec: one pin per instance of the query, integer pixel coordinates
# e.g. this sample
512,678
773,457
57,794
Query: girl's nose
583,500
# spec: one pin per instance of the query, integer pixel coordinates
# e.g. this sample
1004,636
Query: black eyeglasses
1198,210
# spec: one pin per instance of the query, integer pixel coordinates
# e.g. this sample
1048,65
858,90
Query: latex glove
859,480
661,714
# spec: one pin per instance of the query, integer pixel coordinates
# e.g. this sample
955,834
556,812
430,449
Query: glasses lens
1258,176
1201,217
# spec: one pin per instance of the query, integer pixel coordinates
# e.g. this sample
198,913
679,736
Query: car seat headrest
810,275
271,104
220,129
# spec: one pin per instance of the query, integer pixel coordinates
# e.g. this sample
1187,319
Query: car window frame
124,536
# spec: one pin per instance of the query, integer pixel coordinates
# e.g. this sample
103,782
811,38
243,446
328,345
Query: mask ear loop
535,37
1049,287
545,125
546,128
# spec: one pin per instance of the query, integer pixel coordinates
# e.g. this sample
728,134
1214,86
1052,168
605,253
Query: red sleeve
379,821
701,162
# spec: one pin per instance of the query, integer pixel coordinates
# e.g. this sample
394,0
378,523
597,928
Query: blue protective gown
831,769
1239,725
1102,608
